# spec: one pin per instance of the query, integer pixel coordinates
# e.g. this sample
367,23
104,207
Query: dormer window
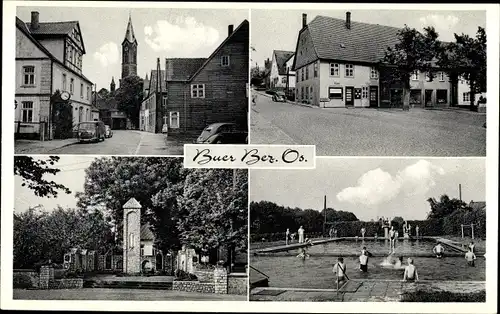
342,46
224,61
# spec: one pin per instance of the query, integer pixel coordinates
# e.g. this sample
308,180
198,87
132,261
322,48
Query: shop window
335,93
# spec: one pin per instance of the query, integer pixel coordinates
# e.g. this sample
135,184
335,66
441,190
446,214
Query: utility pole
324,212
460,192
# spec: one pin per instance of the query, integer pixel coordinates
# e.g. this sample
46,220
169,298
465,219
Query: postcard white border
492,28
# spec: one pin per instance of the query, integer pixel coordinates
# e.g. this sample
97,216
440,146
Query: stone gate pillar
220,280
132,237
46,276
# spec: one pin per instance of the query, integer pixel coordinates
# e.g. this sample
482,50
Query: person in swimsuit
363,261
339,270
392,237
287,236
470,257
399,263
410,272
472,246
438,250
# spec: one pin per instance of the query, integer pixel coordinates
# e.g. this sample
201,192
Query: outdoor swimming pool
287,270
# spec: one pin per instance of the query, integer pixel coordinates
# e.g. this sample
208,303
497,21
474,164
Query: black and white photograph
370,82
121,81
369,230
128,228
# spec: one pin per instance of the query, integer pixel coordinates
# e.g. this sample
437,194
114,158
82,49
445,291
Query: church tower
112,86
129,51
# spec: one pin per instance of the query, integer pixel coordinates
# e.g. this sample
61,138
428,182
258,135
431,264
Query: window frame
415,76
71,86
307,72
373,73
351,69
81,90
171,125
28,110
64,82
222,58
164,101
29,75
441,76
315,69
364,92
197,88
336,69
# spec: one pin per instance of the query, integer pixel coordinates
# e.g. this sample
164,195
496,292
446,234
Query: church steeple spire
129,34
112,86
129,51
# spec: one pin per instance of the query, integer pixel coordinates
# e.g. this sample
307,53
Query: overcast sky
72,176
173,33
372,187
278,29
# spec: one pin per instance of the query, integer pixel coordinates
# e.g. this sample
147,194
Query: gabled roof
362,42
244,26
146,233
26,31
53,28
181,69
281,58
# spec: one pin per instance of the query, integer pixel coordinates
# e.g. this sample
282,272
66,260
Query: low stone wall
25,279
237,283
193,286
204,275
69,283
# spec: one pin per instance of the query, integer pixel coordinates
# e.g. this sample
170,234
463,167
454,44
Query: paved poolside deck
364,290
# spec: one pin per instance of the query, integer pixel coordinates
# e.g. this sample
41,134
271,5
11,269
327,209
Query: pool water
287,270
346,247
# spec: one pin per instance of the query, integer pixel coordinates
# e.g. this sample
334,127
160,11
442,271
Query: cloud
378,186
185,37
108,54
444,25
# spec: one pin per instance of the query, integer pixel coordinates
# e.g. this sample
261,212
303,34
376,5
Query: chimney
348,20
304,20
230,29
34,20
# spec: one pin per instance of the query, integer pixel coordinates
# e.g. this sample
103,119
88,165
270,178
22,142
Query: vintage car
223,133
279,97
91,131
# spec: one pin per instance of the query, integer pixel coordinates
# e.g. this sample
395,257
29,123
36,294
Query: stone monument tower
132,237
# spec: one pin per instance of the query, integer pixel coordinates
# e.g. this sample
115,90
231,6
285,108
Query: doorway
159,262
428,97
373,96
349,98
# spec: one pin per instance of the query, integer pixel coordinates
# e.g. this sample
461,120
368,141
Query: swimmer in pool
438,250
470,257
399,263
392,237
410,272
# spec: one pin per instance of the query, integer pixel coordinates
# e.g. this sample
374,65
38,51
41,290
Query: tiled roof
53,28
181,69
107,104
129,34
363,42
281,58
477,205
146,233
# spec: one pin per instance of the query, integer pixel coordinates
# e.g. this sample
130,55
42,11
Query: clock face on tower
126,48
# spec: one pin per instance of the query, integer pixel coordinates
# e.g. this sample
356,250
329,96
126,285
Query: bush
181,275
22,281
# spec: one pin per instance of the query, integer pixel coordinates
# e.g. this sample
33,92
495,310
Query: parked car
109,132
279,96
91,131
223,133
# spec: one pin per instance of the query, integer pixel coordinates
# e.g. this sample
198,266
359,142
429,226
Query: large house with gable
196,92
280,76
49,58
337,65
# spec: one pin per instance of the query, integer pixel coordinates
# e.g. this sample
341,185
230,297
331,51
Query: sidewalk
287,101
41,147
263,131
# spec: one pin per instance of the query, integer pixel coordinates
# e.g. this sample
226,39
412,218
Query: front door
428,97
349,96
373,96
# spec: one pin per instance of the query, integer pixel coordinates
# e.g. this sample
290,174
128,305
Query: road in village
369,132
126,142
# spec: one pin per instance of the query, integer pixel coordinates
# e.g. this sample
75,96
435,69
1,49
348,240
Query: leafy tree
414,51
129,97
444,207
397,222
213,209
33,170
466,57
153,182
40,236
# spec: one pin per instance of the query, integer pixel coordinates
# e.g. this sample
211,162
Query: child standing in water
399,263
410,272
339,270
470,257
